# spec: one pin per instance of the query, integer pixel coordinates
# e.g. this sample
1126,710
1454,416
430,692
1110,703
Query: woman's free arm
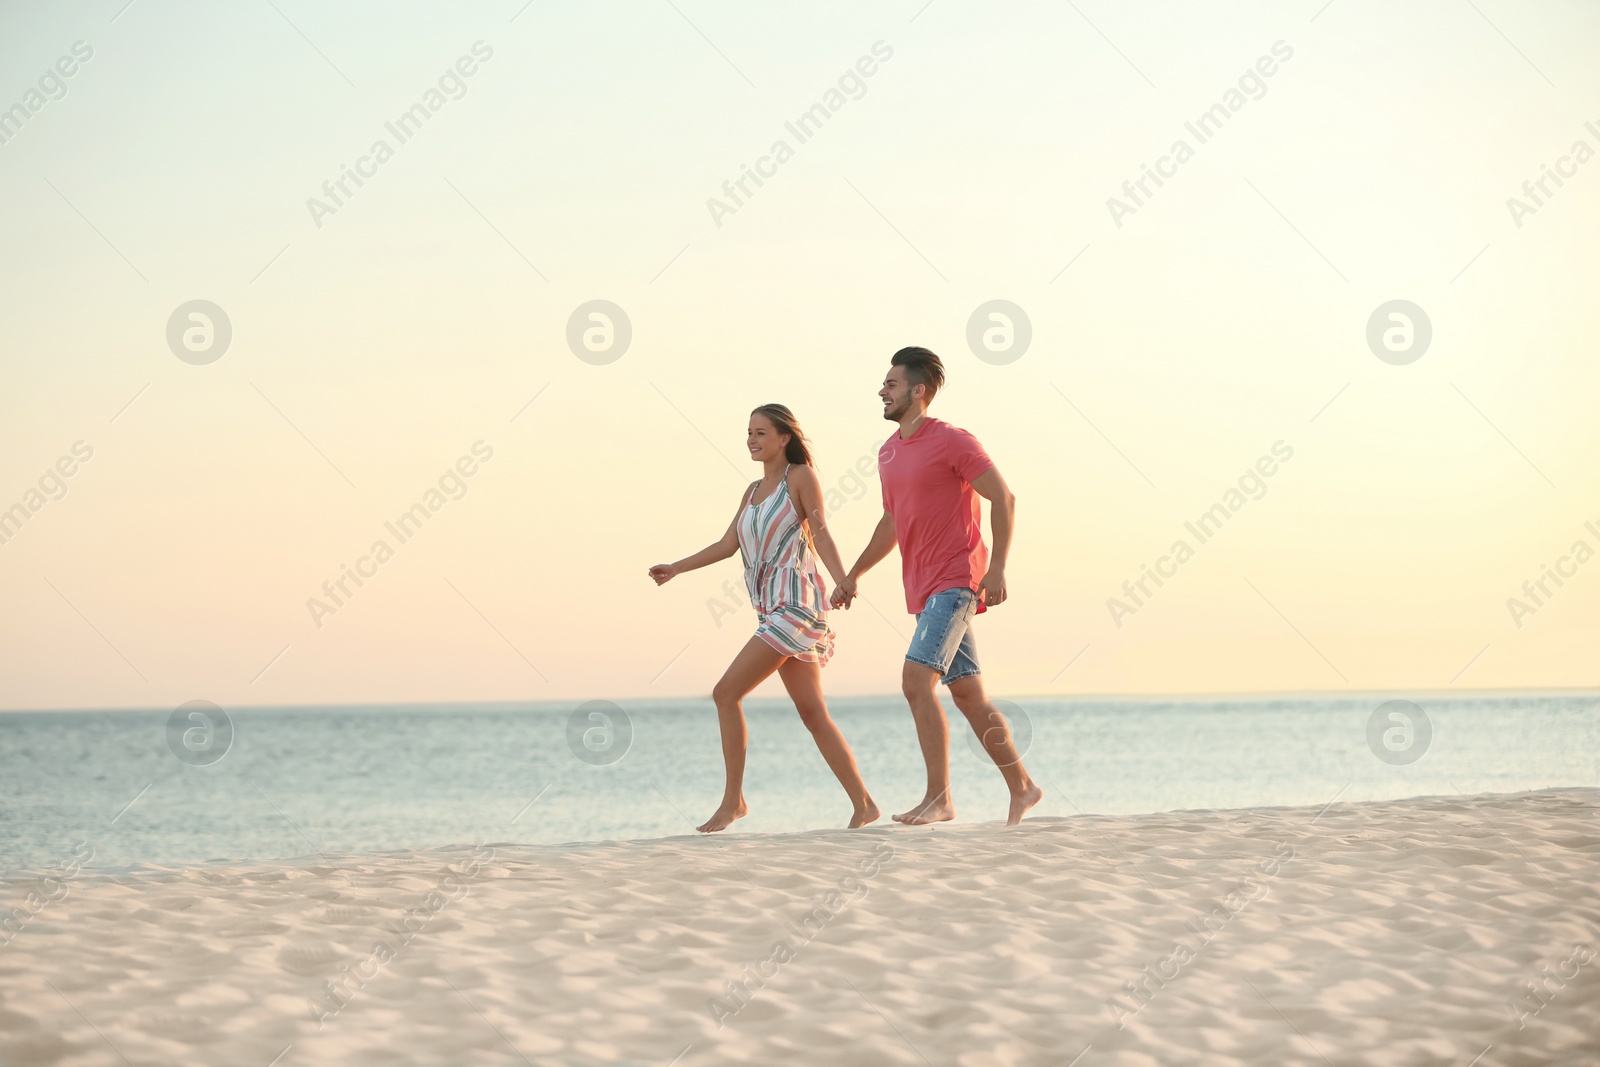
717,551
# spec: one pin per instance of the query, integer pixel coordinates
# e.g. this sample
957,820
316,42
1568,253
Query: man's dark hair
922,368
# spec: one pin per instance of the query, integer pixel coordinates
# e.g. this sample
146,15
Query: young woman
779,532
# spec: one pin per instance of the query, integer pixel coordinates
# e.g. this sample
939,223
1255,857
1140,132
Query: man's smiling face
896,394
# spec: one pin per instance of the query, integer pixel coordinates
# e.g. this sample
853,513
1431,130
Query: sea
202,785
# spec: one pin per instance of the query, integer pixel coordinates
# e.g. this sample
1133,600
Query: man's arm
1002,514
877,547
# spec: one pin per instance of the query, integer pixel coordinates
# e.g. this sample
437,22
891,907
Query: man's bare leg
933,734
754,663
995,734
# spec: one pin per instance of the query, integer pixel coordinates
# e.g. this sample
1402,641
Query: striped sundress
780,573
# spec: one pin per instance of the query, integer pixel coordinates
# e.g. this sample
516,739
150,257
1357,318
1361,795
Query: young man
932,475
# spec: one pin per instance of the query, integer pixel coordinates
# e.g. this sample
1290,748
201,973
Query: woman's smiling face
764,440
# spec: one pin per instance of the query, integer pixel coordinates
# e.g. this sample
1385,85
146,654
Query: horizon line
1186,697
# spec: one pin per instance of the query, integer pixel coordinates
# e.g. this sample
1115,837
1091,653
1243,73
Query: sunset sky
421,320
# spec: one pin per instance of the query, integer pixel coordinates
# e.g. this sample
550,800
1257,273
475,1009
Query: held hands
992,590
663,573
843,593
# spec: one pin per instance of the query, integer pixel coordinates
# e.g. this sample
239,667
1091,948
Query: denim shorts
943,639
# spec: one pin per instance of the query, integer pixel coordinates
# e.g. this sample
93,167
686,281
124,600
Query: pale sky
374,344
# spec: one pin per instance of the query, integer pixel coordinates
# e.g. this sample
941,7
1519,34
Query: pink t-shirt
927,487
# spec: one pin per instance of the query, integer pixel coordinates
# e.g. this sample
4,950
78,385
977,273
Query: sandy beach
1436,930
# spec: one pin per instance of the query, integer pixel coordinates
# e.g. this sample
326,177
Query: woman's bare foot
865,813
932,809
1021,802
723,817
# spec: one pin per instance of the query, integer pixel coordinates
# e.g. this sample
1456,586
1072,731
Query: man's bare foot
723,817
864,814
932,809
1021,802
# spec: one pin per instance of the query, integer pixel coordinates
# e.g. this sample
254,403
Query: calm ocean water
298,781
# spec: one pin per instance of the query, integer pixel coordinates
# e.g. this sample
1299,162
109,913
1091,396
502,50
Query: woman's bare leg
754,664
804,683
